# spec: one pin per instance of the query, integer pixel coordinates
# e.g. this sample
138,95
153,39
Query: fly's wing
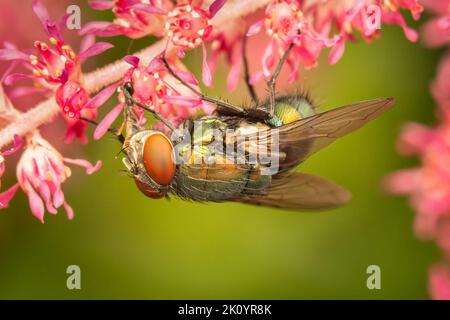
300,139
300,191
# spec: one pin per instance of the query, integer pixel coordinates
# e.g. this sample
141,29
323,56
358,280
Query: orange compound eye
159,158
148,191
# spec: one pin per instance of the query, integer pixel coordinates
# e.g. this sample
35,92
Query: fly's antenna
113,131
122,151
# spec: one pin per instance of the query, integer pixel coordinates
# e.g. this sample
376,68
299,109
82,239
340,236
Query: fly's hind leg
221,105
250,87
273,78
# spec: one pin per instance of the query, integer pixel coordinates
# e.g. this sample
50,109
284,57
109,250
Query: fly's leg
273,78
130,101
219,103
115,132
250,87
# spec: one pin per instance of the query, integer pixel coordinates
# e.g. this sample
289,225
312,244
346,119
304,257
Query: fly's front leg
130,101
273,78
115,132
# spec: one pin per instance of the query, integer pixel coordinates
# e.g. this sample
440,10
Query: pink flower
53,63
439,284
76,127
436,32
187,26
440,87
229,42
71,97
156,89
55,66
309,26
41,171
18,143
134,18
429,185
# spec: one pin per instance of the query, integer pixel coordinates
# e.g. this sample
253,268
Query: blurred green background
129,246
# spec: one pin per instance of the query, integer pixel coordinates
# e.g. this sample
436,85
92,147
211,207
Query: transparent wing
300,191
300,139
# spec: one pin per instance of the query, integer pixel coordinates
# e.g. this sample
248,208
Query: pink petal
155,64
207,107
90,169
41,12
8,70
216,6
13,77
36,204
254,28
267,58
95,50
180,53
44,191
182,101
17,144
86,42
101,29
7,196
235,70
101,97
293,75
23,91
337,52
206,72
256,77
147,8
402,182
132,60
436,6
107,121
101,5
439,282
435,32
187,77
414,139
12,54
58,197
69,210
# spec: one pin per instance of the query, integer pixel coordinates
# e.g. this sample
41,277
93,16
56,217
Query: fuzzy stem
47,110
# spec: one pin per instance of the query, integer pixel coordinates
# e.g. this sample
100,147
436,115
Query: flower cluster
429,185
56,67
311,25
215,27
157,90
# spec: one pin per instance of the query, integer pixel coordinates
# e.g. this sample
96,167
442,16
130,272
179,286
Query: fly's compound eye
148,190
158,156
129,87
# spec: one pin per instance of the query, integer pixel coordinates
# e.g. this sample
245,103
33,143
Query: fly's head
150,159
149,155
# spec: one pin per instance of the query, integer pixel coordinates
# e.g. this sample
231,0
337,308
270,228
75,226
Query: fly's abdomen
214,182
